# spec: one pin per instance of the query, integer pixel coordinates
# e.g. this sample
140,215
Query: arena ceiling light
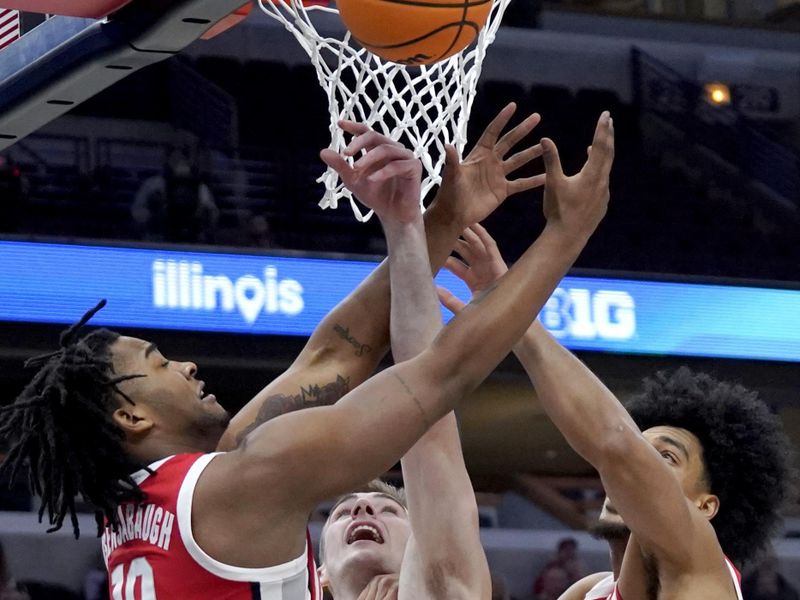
718,94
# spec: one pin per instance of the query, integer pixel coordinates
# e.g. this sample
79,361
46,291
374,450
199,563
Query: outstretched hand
480,267
386,178
476,186
578,203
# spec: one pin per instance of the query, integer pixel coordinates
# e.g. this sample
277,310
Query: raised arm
266,488
444,556
593,421
388,413
346,347
598,427
633,471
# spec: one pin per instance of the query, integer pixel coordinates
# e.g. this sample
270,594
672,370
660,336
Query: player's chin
212,407
223,416
367,552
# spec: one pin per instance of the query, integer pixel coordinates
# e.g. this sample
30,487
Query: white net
426,107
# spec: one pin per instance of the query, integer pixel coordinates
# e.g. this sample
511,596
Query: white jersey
602,589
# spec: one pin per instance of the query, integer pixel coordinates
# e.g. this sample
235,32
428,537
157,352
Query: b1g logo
184,285
584,315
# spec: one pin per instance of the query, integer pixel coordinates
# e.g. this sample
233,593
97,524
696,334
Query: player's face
169,392
367,531
683,453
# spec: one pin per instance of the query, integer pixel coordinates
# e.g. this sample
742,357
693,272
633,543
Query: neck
617,552
146,453
351,587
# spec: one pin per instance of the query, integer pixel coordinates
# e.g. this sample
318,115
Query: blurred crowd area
697,189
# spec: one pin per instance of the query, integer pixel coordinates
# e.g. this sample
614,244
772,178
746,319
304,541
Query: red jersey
153,555
601,590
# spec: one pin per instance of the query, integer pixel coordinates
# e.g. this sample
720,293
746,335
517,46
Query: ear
132,420
708,505
324,580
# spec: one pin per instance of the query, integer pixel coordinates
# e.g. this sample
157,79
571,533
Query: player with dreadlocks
233,524
695,469
58,420
77,385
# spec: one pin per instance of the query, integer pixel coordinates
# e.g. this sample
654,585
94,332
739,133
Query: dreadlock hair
746,455
60,426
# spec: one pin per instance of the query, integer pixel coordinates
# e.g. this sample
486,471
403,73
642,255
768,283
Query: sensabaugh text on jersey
145,522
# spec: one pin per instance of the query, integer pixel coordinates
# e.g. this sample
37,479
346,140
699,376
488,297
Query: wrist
440,215
570,239
395,229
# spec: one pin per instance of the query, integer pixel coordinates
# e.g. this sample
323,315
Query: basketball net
425,107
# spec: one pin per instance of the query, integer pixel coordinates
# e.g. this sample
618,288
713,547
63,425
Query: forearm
443,225
580,406
444,514
415,315
370,337
386,414
598,427
484,332
346,347
415,322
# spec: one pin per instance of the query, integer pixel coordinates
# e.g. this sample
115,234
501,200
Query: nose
189,369
361,508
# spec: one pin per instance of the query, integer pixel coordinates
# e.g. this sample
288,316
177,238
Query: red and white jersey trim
736,579
602,589
296,568
153,553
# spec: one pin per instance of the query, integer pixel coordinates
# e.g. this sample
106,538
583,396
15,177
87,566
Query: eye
669,457
341,512
165,363
390,509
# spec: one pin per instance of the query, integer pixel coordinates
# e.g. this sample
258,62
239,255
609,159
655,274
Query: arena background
704,192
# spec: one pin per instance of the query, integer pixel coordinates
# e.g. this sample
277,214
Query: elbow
319,355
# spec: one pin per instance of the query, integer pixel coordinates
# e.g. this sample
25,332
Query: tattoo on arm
344,333
309,397
420,408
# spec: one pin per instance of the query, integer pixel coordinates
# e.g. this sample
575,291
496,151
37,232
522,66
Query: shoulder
579,589
226,497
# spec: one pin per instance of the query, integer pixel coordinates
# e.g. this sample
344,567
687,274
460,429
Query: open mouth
364,532
203,396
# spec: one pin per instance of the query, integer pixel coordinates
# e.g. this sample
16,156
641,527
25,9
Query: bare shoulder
223,512
579,589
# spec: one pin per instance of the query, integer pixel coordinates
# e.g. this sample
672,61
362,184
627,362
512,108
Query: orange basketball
414,32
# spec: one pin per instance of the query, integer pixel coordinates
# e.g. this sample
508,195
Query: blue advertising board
282,295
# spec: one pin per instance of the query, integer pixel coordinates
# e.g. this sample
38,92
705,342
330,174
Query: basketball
414,32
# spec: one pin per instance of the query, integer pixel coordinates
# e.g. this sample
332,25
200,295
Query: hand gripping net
425,107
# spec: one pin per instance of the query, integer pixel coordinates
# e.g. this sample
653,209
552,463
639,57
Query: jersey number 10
123,584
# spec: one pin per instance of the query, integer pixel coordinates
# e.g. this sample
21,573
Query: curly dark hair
60,429
747,456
